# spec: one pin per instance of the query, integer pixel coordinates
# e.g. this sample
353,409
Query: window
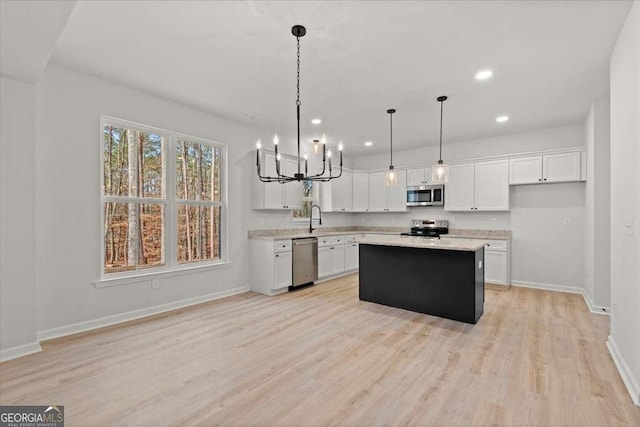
307,202
163,199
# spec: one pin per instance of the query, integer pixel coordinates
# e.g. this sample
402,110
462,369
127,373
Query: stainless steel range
428,228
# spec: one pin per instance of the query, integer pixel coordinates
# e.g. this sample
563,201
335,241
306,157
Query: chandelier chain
298,103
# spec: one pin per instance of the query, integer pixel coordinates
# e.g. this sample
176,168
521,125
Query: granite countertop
296,233
422,243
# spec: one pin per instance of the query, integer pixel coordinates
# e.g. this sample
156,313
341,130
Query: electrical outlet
567,222
155,283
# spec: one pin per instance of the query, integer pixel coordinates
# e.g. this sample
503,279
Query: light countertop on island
324,231
424,243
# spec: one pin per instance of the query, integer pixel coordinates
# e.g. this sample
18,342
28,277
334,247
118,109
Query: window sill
159,274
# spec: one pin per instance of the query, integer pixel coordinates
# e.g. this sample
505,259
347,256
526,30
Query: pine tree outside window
163,200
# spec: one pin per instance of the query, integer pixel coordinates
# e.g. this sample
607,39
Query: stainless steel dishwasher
305,261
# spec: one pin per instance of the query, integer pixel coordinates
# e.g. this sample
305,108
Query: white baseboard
546,286
597,309
19,351
88,325
625,372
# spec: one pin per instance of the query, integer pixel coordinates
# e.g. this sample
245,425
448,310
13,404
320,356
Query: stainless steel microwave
425,195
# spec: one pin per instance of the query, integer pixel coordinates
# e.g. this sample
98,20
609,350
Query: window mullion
171,224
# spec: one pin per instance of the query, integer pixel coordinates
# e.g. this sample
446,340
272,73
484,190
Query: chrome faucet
311,217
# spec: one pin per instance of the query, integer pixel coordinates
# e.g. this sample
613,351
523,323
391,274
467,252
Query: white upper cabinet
360,192
337,194
419,176
492,186
387,199
343,197
377,192
525,170
273,195
482,186
459,190
397,194
562,167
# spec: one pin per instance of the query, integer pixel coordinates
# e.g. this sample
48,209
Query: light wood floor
321,357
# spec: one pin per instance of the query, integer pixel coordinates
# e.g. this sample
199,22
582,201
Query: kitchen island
442,277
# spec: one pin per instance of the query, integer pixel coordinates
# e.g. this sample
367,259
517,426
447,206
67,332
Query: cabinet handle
539,179
545,179
277,255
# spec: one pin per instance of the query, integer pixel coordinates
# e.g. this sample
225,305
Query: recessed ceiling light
316,121
484,75
368,144
502,119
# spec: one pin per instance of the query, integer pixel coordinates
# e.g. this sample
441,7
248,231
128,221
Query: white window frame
170,201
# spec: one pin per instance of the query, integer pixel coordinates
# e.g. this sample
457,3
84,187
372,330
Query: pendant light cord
441,108
391,136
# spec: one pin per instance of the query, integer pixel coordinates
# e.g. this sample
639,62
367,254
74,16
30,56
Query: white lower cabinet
495,267
325,263
497,262
351,256
337,259
282,270
336,255
271,266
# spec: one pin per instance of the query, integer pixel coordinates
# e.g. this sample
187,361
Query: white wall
67,194
17,239
625,200
544,250
597,214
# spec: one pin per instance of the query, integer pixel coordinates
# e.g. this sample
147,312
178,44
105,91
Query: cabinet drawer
330,241
282,246
496,245
350,238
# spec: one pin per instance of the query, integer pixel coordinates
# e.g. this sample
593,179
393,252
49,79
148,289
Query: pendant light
440,171
392,176
298,31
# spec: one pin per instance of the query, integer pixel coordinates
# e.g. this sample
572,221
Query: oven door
419,196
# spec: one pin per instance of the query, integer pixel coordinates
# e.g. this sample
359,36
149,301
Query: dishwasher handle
311,241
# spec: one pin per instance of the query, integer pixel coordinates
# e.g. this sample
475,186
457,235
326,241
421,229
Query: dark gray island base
441,282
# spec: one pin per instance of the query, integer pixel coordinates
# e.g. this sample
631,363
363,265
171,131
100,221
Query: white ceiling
237,59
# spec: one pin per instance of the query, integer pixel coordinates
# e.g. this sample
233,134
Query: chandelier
298,31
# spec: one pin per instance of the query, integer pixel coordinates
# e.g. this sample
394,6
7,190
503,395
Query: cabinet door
495,267
397,195
525,170
459,191
416,177
342,193
325,261
492,185
273,192
337,259
351,256
282,270
377,192
561,167
360,192
292,190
